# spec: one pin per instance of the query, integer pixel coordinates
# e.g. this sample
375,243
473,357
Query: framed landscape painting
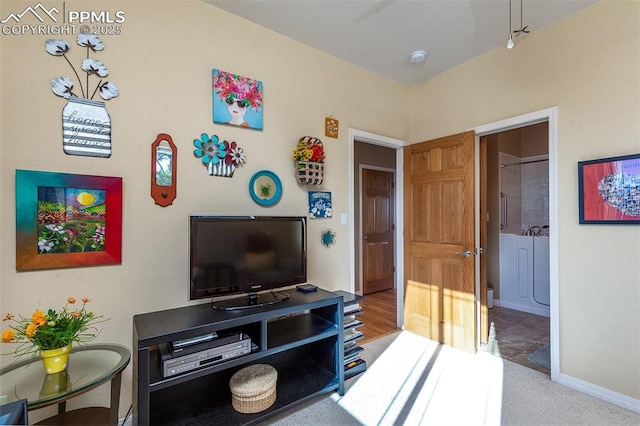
67,220
609,190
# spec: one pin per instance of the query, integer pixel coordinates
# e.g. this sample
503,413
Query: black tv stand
251,300
302,338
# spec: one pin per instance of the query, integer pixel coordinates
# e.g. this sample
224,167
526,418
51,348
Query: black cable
127,415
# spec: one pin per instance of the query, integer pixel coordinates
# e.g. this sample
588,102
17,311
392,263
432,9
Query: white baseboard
600,392
526,308
596,391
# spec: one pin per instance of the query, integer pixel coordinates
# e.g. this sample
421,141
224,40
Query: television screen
245,254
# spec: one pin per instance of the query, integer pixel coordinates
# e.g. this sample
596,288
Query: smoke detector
418,57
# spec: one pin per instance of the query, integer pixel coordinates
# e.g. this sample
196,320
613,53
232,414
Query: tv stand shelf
301,337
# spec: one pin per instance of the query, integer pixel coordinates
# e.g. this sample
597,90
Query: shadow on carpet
541,357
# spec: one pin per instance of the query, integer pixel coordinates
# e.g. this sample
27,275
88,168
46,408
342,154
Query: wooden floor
379,316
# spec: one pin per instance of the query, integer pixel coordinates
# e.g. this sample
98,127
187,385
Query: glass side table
89,366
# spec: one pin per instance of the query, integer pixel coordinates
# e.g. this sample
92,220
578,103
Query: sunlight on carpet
418,381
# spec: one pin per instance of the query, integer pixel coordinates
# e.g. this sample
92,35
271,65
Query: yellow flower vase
55,360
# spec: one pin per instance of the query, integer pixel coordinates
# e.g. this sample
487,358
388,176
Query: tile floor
514,335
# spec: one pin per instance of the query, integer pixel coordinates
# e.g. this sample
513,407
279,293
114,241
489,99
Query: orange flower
76,314
8,336
86,300
8,317
38,318
31,330
71,300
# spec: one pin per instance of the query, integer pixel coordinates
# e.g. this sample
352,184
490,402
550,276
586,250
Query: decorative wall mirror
164,159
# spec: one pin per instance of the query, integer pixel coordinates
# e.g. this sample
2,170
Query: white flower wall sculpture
86,124
63,86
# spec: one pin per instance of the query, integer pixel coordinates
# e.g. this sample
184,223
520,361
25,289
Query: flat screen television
246,255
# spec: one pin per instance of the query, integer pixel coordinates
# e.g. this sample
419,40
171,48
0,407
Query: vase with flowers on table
51,334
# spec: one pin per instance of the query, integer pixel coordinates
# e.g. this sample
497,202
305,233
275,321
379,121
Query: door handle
465,253
366,237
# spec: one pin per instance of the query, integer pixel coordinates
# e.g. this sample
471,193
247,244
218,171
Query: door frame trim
397,144
549,115
364,166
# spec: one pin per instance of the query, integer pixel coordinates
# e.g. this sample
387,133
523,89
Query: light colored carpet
411,380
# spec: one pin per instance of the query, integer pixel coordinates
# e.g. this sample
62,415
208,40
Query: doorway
548,116
517,245
393,148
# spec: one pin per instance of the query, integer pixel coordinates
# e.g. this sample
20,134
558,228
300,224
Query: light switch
343,218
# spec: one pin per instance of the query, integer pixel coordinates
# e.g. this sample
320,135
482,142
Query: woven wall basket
253,388
309,172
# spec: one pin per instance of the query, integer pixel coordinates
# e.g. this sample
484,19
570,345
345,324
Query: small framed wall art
67,220
609,190
237,100
320,204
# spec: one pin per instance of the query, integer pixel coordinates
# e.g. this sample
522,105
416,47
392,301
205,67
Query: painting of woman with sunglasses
237,100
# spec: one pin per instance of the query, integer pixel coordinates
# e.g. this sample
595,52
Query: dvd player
178,361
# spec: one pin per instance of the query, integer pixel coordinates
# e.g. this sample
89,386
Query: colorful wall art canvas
609,190
65,220
319,204
237,100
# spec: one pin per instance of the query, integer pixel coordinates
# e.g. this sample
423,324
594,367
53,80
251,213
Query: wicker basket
253,388
309,172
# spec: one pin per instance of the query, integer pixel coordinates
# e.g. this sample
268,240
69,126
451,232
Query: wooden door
377,231
439,298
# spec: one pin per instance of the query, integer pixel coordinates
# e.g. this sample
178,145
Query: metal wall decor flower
86,124
220,157
328,238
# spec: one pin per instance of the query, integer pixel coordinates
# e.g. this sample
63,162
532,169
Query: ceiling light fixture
510,41
418,57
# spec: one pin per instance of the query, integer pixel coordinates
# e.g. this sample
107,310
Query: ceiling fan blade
374,10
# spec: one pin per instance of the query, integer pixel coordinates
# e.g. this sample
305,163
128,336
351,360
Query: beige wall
162,64
587,65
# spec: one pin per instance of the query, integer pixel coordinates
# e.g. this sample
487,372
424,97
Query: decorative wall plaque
86,125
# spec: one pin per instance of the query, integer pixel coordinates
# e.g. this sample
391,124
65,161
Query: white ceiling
380,35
